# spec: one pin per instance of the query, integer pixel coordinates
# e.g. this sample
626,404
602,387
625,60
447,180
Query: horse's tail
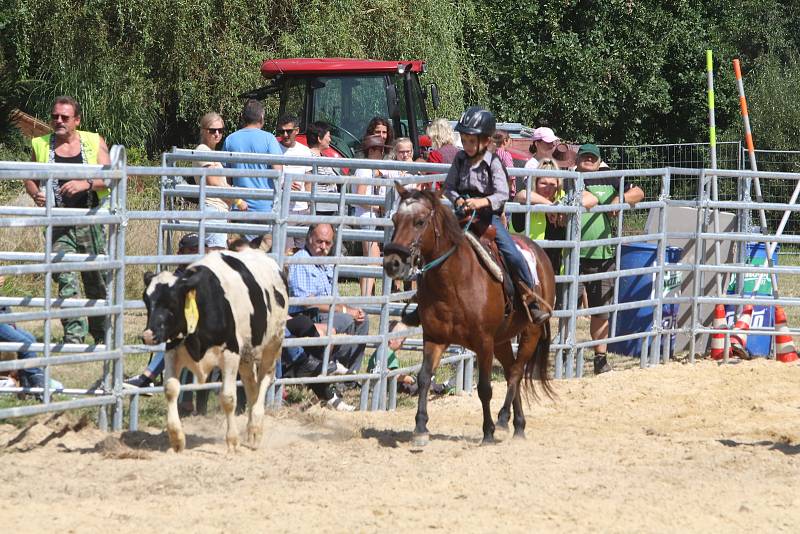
537,367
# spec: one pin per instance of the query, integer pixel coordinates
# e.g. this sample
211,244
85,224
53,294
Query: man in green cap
600,259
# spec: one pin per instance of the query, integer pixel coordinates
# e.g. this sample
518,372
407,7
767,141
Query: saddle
486,234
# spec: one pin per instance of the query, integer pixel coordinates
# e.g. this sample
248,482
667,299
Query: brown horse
460,302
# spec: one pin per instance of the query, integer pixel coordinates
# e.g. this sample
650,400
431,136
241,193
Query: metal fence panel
676,178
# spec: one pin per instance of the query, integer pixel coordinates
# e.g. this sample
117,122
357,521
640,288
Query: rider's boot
530,304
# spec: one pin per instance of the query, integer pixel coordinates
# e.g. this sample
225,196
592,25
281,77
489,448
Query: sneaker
138,381
336,403
601,364
340,369
33,381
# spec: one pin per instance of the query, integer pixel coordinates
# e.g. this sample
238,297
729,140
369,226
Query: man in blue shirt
317,281
253,139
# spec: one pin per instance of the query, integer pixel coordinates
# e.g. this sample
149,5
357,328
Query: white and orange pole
748,138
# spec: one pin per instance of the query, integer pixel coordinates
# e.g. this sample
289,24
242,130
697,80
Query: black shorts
598,292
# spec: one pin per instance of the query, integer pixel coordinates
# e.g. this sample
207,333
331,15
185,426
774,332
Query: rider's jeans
511,253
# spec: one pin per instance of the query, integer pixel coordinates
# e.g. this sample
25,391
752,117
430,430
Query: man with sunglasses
67,144
288,128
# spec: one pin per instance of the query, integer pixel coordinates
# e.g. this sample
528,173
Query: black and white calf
227,310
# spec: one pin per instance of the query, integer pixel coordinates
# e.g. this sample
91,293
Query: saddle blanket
530,259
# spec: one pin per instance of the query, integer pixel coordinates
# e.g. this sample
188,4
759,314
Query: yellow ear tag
190,311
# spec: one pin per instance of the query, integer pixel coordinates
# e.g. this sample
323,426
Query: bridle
414,254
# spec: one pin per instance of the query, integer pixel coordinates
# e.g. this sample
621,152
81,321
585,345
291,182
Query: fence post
658,314
699,258
573,267
120,200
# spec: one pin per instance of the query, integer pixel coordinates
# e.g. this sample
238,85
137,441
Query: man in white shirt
288,128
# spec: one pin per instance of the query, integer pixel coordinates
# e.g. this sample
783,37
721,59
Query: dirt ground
701,448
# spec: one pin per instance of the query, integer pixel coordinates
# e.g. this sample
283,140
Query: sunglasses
286,131
215,130
57,116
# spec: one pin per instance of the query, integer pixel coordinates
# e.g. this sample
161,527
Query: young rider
478,181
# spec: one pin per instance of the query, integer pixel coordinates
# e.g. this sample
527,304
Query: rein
441,259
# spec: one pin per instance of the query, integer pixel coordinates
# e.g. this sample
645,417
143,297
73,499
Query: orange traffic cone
718,340
739,341
780,319
784,346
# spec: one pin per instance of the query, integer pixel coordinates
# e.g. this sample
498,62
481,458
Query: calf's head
165,296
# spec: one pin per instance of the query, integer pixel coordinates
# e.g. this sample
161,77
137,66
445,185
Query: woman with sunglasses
212,128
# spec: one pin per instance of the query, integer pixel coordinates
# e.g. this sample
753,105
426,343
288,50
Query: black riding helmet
476,121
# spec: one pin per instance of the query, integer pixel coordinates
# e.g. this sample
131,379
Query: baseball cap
589,148
544,134
189,241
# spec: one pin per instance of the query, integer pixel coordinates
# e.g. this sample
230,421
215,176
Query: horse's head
417,229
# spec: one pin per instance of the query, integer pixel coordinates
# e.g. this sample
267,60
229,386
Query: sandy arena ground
674,449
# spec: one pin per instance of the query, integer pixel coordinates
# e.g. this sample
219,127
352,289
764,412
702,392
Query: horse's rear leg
505,355
528,341
432,354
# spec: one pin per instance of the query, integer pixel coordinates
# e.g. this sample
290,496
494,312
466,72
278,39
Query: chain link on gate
682,184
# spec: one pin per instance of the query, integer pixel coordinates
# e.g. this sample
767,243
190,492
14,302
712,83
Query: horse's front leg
432,354
485,357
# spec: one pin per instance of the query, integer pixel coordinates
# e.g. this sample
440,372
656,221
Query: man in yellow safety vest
67,144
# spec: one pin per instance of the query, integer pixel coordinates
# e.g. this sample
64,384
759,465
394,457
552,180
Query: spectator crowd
479,154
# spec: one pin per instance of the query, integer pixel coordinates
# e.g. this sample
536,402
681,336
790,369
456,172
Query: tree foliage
614,71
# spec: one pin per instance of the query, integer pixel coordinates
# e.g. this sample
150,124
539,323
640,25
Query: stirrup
529,304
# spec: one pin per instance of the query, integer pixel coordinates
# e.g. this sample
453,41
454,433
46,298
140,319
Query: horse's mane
443,216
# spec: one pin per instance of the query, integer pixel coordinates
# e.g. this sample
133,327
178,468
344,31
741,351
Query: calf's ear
148,276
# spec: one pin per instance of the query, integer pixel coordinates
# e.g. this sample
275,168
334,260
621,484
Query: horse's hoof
502,425
253,436
488,441
519,434
420,440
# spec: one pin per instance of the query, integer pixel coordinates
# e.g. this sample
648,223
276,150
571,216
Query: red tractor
348,93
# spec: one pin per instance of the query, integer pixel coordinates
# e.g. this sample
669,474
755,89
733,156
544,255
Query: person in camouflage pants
67,144
81,240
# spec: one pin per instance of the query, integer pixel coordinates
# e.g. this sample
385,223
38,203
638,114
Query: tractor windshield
348,103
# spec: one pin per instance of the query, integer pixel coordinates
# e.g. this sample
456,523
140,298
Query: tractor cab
347,94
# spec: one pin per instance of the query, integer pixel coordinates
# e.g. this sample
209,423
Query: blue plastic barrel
763,316
641,287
